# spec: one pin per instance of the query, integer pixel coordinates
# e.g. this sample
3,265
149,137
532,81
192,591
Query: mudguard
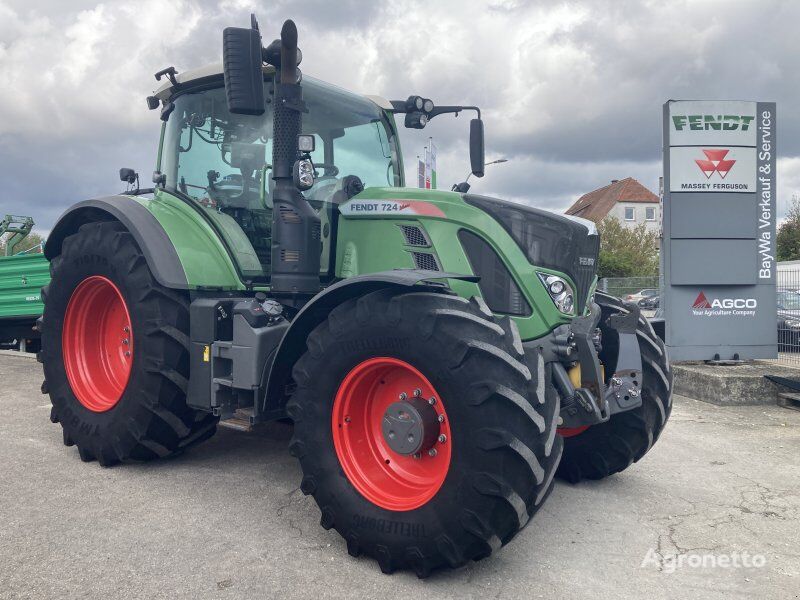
293,343
158,250
181,248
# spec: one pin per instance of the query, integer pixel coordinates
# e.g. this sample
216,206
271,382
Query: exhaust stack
296,243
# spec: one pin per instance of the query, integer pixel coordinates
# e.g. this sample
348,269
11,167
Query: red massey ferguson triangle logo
715,163
701,302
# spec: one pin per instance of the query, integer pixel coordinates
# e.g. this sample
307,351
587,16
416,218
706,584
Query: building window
650,213
629,213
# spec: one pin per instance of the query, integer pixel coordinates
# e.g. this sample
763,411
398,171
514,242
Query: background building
626,199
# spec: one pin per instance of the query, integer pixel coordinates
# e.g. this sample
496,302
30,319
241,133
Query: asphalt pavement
227,519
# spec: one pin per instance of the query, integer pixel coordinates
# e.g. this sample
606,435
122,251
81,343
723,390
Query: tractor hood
565,244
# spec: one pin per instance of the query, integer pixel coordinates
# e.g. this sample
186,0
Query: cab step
242,420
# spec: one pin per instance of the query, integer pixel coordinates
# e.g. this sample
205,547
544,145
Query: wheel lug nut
432,452
417,393
126,329
440,418
417,456
442,438
126,341
127,353
431,401
403,395
347,419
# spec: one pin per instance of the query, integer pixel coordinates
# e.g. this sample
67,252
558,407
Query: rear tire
611,447
145,416
500,413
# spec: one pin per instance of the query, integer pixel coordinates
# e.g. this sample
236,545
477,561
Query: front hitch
595,401
625,386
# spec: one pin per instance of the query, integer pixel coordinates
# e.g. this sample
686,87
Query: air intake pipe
296,243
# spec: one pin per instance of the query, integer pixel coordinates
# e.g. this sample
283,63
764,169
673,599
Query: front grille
425,261
414,236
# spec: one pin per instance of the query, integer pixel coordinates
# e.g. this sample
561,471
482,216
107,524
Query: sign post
718,253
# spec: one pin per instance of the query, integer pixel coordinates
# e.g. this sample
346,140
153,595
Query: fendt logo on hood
715,163
721,307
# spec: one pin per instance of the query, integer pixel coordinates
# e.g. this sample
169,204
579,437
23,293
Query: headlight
303,174
561,292
556,287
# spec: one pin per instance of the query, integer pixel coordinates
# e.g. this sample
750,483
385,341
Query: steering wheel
389,169
330,170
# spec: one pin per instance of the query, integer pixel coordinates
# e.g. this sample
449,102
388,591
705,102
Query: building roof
597,204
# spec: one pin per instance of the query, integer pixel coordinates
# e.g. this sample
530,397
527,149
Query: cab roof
214,70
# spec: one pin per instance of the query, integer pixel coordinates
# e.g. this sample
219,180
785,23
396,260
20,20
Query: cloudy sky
571,92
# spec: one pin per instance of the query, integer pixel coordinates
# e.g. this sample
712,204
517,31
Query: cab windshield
223,161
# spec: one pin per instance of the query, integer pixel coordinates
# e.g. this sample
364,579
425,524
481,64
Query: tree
32,239
626,251
789,232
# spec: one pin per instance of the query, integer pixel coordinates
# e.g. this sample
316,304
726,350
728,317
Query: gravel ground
227,520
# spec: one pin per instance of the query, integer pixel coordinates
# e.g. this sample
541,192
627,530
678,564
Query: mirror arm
440,110
399,106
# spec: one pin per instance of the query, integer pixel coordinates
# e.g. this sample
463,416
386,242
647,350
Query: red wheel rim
571,431
97,343
384,477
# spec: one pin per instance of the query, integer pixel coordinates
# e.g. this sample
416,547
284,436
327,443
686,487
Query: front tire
602,450
482,484
115,352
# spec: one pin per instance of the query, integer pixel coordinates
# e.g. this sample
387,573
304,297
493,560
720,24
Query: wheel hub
410,426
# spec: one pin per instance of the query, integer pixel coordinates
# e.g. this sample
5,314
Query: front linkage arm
594,402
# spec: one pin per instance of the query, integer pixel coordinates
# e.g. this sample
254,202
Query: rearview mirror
241,62
476,147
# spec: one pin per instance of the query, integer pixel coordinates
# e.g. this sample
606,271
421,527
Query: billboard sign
718,250
712,169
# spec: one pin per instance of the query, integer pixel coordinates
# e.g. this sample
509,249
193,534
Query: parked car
645,293
650,302
788,321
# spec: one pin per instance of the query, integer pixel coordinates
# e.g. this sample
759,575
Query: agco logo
724,306
712,122
715,162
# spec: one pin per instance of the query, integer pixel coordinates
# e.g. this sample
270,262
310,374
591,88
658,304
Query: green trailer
22,277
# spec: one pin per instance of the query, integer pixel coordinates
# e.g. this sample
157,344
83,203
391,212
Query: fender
158,250
293,344
195,262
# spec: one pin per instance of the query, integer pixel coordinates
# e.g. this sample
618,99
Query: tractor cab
223,161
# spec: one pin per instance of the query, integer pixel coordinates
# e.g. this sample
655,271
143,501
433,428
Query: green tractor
443,355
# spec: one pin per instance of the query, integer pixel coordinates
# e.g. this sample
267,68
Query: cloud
571,92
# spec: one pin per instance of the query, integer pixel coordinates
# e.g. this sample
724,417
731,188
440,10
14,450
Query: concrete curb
731,385
18,354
